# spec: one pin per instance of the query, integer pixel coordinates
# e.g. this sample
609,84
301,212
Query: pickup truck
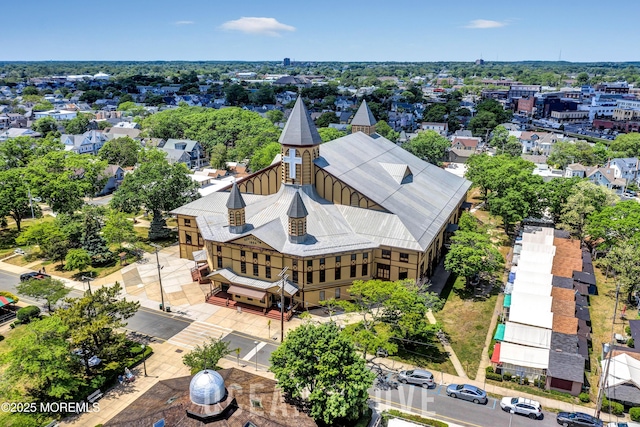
33,275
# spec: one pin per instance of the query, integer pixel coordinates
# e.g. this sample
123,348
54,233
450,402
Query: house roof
565,324
190,145
567,343
364,116
562,282
296,208
563,294
467,142
566,366
586,278
300,130
531,336
235,200
634,325
563,308
176,155
623,369
520,355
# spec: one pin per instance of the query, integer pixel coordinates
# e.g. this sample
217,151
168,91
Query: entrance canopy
5,301
226,275
250,293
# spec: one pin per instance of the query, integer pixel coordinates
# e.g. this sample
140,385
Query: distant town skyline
331,30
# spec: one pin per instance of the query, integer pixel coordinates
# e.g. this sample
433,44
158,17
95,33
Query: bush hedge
392,413
634,413
28,313
584,397
493,376
613,408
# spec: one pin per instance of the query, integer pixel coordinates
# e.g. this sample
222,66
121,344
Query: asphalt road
247,345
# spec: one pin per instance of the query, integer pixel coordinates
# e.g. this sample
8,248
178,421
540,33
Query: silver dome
207,388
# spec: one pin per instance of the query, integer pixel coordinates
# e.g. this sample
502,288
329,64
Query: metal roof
296,208
235,200
300,129
364,116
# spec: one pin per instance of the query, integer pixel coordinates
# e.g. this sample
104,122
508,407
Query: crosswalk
197,333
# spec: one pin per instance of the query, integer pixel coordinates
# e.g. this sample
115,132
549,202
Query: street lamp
88,280
162,307
256,350
144,359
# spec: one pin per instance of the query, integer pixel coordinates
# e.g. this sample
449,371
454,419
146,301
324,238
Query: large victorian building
355,208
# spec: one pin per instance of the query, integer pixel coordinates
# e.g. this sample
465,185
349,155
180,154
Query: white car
520,405
18,251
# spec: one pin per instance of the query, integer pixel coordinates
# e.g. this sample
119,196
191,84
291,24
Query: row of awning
5,301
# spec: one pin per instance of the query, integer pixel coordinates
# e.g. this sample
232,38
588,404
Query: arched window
355,200
250,187
300,227
238,218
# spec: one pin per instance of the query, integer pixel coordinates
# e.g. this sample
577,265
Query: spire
364,116
235,200
297,208
300,129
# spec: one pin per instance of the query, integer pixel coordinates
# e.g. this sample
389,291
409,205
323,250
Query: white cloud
485,23
185,22
265,26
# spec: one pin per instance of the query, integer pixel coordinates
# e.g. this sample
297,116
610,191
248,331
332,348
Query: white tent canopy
622,369
531,336
531,309
520,355
538,247
534,277
532,288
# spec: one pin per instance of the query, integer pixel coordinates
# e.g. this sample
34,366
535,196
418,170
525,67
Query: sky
327,30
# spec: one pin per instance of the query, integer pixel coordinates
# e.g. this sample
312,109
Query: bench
94,396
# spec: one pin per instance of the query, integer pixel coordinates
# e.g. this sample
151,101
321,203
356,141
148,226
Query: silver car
417,377
520,405
467,392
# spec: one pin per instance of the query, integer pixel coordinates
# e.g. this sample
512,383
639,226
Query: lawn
465,319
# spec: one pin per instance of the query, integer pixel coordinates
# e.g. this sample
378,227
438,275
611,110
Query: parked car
467,392
19,251
33,275
417,377
577,419
520,405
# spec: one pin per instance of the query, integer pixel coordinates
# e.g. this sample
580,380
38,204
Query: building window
243,267
267,272
384,271
249,299
352,272
365,269
268,258
322,276
309,276
218,248
300,228
187,222
403,274
404,257
243,253
255,269
255,257
386,254
353,257
337,293
321,295
321,261
310,263
365,256
295,276
338,273
219,262
295,263
188,238
337,259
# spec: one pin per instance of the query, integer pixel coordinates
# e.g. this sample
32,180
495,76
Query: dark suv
33,275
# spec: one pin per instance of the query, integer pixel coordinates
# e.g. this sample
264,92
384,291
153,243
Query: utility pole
284,277
605,373
162,307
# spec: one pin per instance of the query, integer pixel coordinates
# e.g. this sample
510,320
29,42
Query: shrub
28,313
494,376
613,408
634,413
627,330
584,397
489,370
630,343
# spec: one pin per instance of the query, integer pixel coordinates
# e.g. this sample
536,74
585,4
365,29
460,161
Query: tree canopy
428,145
317,365
206,356
120,151
48,289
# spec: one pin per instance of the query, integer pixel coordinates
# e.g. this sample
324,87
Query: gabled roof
172,143
235,200
300,129
364,116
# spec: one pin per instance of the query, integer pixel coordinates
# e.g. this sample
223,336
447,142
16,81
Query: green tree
17,152
118,229
512,147
582,79
14,197
614,224
156,186
555,193
91,240
317,364
40,364
94,322
264,95
236,95
430,146
275,116
326,119
78,125
585,200
499,137
472,253
383,129
564,153
628,144
483,123
30,90
206,356
45,125
77,259
264,156
435,113
47,289
91,96
622,260
131,108
120,151
329,134
49,237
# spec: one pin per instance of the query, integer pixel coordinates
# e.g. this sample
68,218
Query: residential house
89,142
465,143
625,168
57,114
177,156
536,142
197,156
441,128
575,169
606,177
622,383
115,176
16,132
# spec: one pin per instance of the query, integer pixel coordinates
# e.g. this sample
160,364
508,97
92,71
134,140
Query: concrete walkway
484,360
